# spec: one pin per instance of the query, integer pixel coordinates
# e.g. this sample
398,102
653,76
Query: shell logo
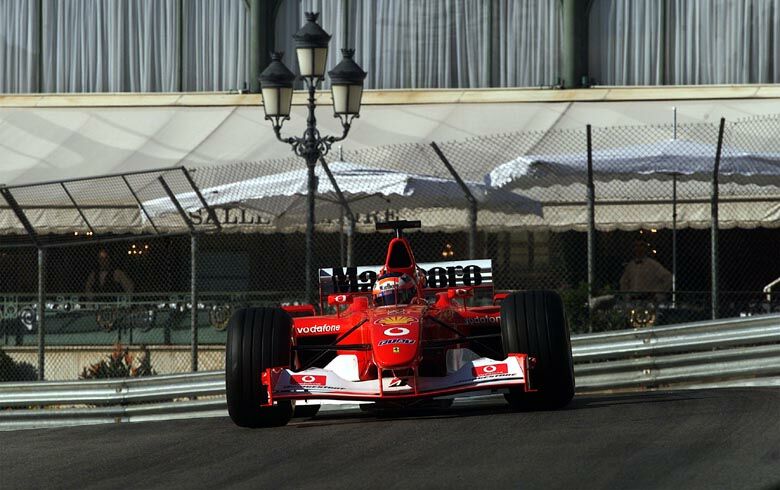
396,331
395,320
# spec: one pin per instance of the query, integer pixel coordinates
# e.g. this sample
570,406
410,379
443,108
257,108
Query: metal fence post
473,210
674,239
41,313
311,186
194,301
14,205
351,243
591,190
714,222
345,209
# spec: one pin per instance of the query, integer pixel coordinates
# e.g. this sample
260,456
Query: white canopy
282,196
46,137
634,186
688,160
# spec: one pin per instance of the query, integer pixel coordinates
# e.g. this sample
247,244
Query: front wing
320,383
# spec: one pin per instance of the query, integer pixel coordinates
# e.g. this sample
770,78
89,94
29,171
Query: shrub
120,364
11,370
603,319
575,302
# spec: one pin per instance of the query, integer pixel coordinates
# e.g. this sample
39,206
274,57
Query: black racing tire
534,323
257,339
305,411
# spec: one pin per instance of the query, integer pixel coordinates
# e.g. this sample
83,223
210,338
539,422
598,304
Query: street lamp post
311,46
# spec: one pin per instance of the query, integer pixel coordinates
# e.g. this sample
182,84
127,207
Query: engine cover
395,338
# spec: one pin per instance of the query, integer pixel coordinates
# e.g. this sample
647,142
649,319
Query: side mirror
499,297
453,293
340,299
296,311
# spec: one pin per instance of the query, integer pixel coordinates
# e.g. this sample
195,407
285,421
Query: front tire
534,323
257,339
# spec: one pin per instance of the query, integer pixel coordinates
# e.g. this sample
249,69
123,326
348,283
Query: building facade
208,45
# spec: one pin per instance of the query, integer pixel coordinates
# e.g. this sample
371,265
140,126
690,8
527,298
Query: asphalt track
726,438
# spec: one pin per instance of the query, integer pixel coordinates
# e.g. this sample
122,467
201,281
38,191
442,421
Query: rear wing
477,274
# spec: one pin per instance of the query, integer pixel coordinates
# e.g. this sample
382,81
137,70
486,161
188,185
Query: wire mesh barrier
98,277
652,199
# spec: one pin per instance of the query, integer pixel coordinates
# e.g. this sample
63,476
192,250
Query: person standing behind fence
644,276
106,279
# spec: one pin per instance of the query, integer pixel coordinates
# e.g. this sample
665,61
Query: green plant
609,319
144,367
575,302
11,370
120,364
604,318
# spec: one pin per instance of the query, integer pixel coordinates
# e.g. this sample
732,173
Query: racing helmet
394,288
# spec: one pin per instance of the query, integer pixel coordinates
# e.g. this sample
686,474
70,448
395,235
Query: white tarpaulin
634,186
689,160
64,136
282,196
47,137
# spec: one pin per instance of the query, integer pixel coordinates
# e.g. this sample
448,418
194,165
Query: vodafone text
319,329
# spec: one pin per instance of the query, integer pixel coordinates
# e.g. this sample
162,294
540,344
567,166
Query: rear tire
258,339
534,323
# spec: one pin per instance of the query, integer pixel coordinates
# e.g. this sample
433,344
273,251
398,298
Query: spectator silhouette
106,279
645,277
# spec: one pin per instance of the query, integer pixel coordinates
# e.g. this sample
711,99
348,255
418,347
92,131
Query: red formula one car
402,333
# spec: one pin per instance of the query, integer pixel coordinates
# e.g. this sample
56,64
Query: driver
394,288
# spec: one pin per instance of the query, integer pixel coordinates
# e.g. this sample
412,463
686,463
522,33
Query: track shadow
610,400
582,402
360,417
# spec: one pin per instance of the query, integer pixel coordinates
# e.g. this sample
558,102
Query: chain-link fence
98,277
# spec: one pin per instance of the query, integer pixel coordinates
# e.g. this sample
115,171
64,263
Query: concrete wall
67,362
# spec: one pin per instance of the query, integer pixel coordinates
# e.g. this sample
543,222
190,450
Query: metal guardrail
113,392
705,353
22,419
733,352
677,338
107,401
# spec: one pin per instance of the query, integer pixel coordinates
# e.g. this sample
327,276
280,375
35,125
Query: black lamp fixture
276,81
346,86
277,87
311,46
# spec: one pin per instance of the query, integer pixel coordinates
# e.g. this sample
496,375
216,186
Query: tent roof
688,160
68,135
281,196
46,138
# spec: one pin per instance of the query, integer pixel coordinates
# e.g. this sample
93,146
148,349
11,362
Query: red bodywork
401,351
